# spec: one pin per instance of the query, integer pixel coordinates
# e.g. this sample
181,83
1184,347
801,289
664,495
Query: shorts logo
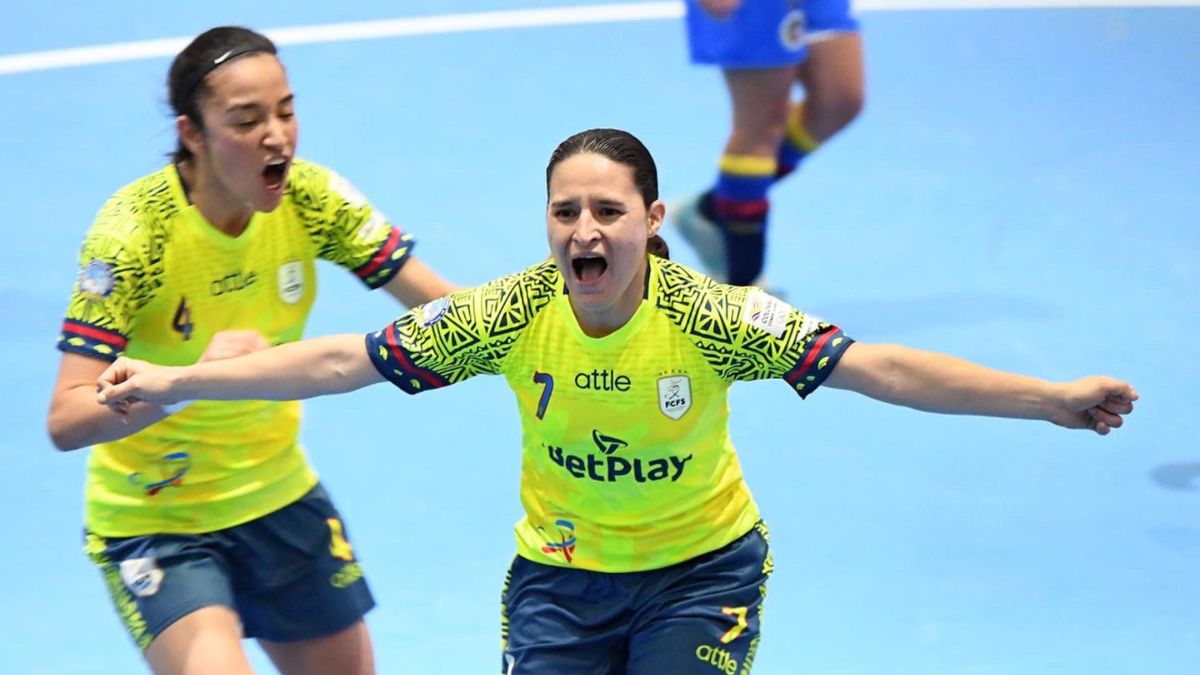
96,280
674,395
791,31
291,282
142,576
566,539
720,659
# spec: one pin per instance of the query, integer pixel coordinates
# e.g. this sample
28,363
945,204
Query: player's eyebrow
252,105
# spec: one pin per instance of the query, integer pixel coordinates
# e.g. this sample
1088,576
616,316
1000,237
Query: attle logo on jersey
607,467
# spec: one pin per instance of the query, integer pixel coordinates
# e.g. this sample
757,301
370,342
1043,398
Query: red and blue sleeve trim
819,360
382,266
397,366
93,341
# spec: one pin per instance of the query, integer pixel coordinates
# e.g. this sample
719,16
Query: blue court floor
1023,189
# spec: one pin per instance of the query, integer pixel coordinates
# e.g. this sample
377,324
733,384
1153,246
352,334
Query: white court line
480,21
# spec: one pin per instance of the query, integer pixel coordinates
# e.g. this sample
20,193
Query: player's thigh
761,99
155,581
347,652
207,641
834,77
298,578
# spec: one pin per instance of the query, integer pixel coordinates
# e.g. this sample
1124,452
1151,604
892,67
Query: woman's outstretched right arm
326,365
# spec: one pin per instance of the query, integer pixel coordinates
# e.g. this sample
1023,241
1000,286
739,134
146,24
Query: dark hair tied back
208,51
621,147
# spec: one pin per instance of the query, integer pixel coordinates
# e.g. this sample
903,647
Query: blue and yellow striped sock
797,143
739,204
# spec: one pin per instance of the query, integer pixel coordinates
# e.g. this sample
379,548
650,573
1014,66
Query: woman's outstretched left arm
940,383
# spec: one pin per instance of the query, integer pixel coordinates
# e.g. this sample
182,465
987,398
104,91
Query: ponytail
656,245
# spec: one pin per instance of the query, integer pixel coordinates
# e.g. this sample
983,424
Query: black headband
185,92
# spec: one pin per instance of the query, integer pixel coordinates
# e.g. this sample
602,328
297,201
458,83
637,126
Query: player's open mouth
275,173
589,267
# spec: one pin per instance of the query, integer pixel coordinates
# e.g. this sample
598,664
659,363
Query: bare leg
834,84
347,652
205,642
760,99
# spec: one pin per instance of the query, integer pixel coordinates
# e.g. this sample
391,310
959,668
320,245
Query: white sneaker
707,240
703,235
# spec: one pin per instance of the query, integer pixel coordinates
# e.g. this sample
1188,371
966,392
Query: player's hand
128,381
1097,403
720,9
230,343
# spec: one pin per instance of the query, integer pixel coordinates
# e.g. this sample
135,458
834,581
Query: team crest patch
96,279
791,31
291,282
432,312
766,313
142,576
674,395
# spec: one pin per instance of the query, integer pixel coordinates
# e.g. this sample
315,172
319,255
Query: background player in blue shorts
763,48
641,551
206,521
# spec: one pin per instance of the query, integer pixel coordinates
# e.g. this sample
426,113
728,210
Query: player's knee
837,108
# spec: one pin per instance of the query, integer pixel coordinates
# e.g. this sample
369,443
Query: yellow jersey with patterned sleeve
627,463
156,282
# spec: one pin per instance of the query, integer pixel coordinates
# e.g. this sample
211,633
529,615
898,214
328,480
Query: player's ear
655,216
190,134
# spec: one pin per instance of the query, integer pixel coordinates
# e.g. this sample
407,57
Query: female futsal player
206,521
641,550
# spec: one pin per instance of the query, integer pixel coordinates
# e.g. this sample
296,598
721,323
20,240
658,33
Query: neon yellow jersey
627,463
156,282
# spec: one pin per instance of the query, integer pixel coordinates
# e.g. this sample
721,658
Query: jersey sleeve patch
766,313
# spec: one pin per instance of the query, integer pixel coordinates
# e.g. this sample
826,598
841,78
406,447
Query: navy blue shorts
290,575
687,619
765,33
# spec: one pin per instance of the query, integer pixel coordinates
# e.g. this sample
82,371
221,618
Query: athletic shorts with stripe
290,575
